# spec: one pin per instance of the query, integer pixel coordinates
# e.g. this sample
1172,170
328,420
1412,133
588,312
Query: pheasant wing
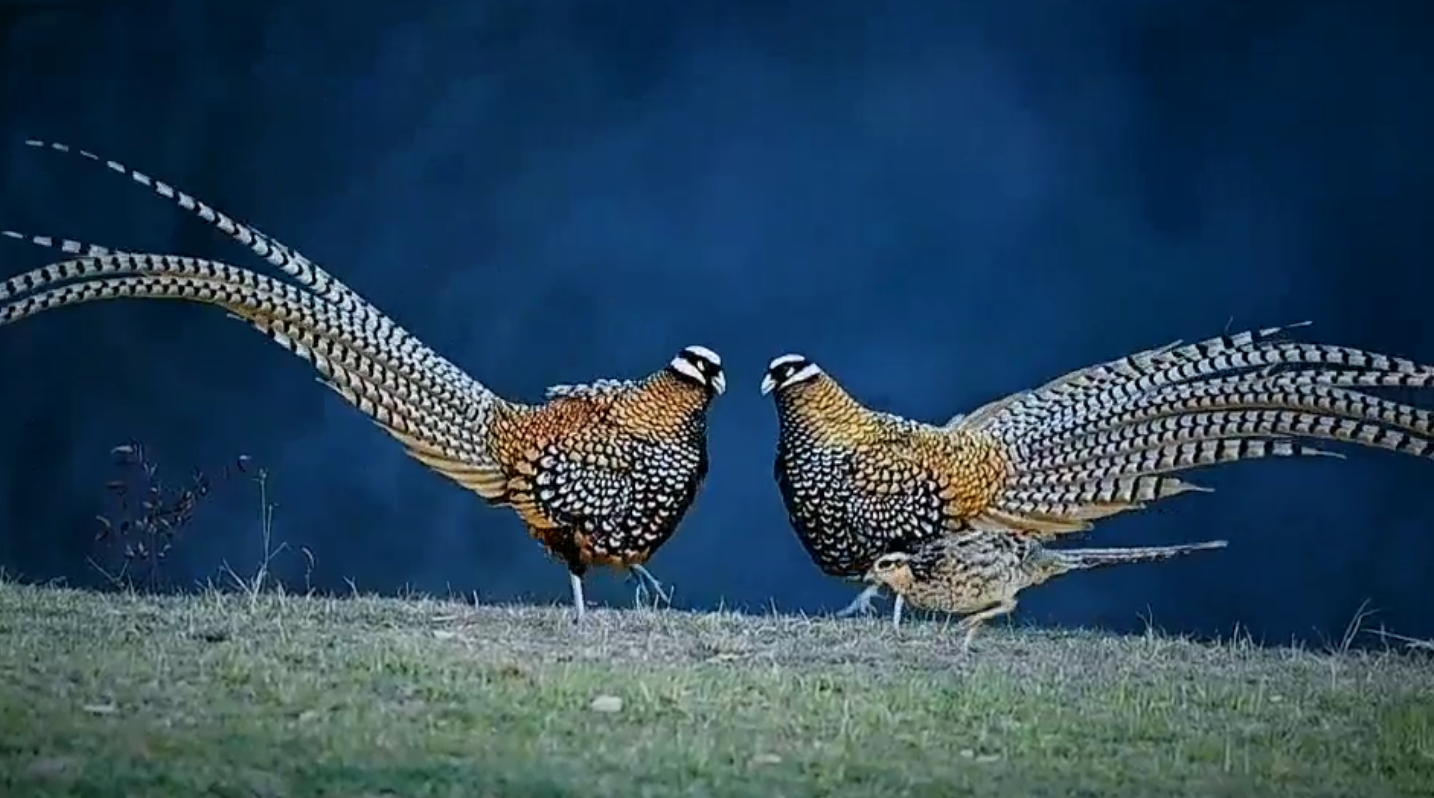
903,494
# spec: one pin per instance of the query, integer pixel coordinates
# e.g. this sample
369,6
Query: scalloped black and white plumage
1106,439
601,473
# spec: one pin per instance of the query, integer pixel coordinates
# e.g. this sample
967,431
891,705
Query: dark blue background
940,201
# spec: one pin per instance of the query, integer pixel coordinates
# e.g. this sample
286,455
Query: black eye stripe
785,370
702,364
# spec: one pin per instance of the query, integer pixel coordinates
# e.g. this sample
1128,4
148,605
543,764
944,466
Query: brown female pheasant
978,574
859,483
602,474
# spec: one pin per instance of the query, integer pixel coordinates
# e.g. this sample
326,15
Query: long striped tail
1103,439
1050,563
432,416
290,261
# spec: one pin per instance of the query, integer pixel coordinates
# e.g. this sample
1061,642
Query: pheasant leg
645,579
896,609
971,623
861,605
579,603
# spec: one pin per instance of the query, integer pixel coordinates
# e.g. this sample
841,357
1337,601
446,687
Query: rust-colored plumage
978,573
1106,439
601,473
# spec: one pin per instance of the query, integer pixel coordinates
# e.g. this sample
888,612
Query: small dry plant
148,516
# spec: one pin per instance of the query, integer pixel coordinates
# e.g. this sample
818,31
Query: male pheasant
860,483
602,473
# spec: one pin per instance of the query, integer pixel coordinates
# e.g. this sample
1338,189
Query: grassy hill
217,694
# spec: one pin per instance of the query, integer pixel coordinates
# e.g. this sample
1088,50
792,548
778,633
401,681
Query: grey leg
579,603
645,579
970,633
900,604
861,605
973,622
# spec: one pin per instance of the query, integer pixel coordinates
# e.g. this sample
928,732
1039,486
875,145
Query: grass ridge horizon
283,695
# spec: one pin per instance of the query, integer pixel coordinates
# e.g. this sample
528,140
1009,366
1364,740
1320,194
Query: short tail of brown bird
1109,438
1054,562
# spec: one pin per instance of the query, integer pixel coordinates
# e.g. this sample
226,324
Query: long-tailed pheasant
860,483
602,474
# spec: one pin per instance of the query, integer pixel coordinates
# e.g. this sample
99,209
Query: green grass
113,695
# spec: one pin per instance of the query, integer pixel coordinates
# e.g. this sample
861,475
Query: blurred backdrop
940,201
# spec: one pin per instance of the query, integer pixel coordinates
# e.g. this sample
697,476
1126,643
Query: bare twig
148,516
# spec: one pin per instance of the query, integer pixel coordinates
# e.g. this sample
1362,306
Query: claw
861,605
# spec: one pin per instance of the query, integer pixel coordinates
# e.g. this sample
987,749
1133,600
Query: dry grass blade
1412,643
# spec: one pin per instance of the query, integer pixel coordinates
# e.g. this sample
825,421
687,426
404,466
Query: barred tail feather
1131,479
1133,374
270,312
482,475
334,320
452,450
1111,438
313,331
375,402
1058,561
462,460
388,398
1318,392
289,260
1277,363
1166,434
1074,397
101,260
66,245
378,394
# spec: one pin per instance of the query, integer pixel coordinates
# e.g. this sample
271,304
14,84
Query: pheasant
601,473
978,573
859,483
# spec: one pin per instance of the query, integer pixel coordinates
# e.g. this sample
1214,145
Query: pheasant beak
768,384
719,384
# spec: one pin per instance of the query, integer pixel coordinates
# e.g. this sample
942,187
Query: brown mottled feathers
979,574
601,473
1100,440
